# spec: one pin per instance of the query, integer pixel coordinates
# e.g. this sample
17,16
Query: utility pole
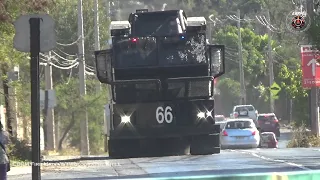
14,122
96,33
314,91
210,24
271,75
82,81
48,110
11,121
14,76
242,84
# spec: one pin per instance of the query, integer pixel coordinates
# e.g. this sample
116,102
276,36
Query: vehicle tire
205,144
123,148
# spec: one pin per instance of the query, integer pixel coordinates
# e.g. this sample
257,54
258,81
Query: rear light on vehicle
275,120
134,40
254,133
224,133
236,114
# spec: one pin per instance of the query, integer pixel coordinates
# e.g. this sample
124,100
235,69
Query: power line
59,67
76,41
70,44
65,59
70,55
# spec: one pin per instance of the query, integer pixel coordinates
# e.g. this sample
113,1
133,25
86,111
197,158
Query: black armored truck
160,69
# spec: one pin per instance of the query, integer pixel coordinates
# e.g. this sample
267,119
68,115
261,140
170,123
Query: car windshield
266,118
151,51
244,108
239,125
150,24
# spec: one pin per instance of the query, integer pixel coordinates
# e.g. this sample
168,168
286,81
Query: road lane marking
276,160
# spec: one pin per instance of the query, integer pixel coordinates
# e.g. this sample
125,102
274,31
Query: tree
254,64
9,57
70,114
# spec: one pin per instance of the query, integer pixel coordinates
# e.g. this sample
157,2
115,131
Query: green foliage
68,112
253,46
301,137
313,32
231,92
19,150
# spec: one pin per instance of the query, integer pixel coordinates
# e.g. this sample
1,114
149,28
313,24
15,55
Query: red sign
310,67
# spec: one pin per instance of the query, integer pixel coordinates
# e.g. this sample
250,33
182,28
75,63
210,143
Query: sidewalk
20,170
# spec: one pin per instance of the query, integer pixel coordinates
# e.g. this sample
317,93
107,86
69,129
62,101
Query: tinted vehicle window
145,51
266,118
244,108
189,50
150,24
239,125
140,53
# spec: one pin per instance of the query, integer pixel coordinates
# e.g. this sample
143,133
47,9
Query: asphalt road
284,138
227,162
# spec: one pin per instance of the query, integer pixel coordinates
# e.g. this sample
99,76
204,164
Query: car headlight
125,119
201,115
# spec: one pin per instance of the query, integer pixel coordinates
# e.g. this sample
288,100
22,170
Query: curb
75,159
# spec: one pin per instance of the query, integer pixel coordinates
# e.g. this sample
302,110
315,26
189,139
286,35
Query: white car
252,112
221,120
240,132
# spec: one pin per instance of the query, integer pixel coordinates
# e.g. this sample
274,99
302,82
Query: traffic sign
275,89
47,33
310,66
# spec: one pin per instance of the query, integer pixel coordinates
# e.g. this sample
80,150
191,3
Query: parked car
268,140
221,120
252,112
268,122
240,132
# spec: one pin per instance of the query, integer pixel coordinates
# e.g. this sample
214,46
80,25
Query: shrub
302,137
19,149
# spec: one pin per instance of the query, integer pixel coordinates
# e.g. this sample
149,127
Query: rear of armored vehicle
161,70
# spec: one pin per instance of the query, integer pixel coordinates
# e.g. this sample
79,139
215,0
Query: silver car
240,132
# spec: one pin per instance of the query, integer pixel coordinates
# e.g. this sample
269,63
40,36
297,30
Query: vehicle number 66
164,114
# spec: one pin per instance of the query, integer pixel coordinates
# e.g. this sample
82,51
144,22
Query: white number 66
166,116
